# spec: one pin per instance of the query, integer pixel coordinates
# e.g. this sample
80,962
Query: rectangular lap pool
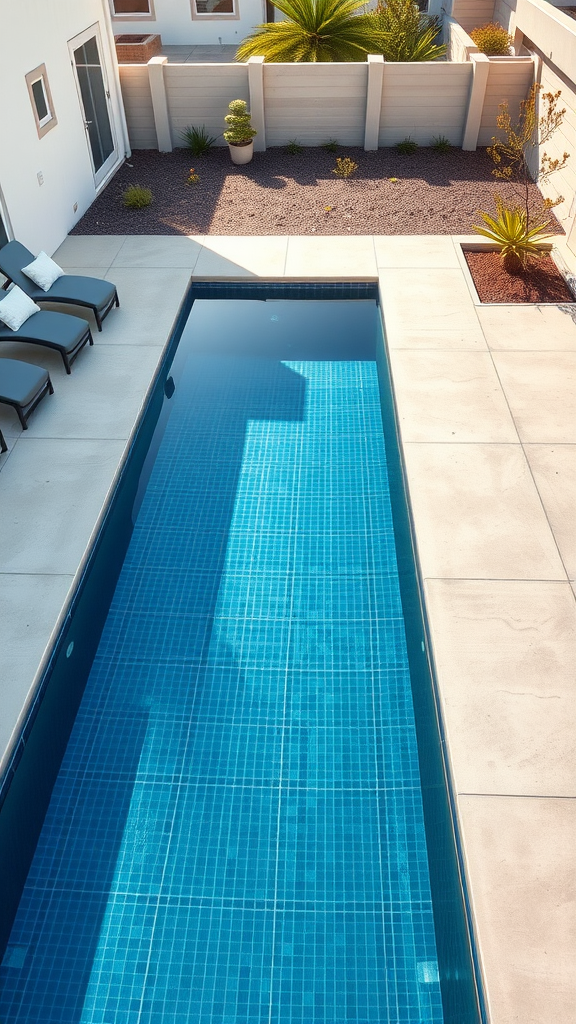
250,822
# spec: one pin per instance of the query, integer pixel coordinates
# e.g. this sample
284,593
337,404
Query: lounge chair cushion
85,291
20,382
43,271
17,308
59,329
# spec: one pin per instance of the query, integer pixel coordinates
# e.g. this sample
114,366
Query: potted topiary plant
240,134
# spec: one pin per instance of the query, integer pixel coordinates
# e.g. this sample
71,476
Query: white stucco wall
36,32
174,22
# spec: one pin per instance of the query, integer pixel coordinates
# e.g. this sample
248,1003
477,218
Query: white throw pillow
43,271
16,308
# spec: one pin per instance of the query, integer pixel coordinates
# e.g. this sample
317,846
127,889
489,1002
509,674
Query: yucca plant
197,140
313,31
404,33
518,237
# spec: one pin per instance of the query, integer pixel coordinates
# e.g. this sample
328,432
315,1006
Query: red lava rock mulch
540,281
280,193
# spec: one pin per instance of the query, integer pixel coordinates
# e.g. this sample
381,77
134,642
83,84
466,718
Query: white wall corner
160,103
374,82
256,92
480,69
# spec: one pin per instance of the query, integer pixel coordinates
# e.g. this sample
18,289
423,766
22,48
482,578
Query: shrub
197,140
192,178
517,237
407,146
294,147
492,39
136,197
404,33
331,145
240,130
345,167
440,144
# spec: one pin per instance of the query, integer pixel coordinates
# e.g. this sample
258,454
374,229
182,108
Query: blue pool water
236,834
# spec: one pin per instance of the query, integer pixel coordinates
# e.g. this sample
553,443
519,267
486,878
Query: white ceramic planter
241,153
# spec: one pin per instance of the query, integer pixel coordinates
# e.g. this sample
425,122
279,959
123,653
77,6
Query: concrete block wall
199,94
424,100
371,104
509,78
315,102
135,83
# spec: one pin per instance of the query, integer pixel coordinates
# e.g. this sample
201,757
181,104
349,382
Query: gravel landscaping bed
539,281
280,193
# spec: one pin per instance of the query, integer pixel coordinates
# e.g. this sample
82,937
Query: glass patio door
95,102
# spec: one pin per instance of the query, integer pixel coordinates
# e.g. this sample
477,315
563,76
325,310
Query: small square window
41,99
214,8
141,8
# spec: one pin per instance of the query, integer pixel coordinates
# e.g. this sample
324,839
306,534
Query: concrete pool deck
485,397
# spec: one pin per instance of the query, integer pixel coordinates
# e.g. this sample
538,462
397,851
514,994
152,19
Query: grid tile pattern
236,835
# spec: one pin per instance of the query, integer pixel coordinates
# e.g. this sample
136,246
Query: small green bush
136,197
197,140
407,146
193,178
492,39
345,167
294,147
240,131
331,145
440,144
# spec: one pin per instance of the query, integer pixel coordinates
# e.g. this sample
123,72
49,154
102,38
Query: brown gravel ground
280,193
540,281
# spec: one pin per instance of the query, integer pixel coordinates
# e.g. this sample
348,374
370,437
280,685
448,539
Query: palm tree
316,30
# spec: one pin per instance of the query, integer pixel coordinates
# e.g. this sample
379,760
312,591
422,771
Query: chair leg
98,320
66,362
90,338
116,300
22,418
50,386
3,445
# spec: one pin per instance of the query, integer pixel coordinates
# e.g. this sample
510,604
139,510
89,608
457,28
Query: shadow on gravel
427,193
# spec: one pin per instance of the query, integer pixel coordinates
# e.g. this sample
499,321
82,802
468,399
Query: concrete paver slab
149,301
430,251
345,257
541,392
29,608
478,513
505,652
450,396
158,251
88,250
230,256
554,469
520,854
50,499
521,328
436,299
101,399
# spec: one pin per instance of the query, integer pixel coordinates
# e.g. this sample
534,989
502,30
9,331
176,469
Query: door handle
86,123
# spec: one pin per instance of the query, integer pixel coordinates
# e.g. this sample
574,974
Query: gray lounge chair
62,332
97,295
23,386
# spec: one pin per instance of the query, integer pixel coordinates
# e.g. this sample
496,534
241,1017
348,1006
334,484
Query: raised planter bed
137,49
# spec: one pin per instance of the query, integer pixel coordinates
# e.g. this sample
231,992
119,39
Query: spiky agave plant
518,238
315,30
